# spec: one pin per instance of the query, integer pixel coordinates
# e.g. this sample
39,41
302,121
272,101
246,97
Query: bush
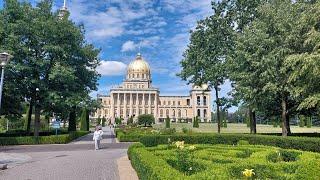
300,143
196,122
219,162
130,121
53,139
168,131
146,119
167,122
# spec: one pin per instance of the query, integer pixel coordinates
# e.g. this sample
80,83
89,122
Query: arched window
198,100
167,112
161,113
204,113
205,100
179,113
198,114
138,75
173,113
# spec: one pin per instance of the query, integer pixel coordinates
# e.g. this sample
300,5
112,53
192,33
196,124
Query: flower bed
181,161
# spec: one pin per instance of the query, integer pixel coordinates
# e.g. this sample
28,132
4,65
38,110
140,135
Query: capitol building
136,96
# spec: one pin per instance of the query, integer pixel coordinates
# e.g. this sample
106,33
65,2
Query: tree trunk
29,116
253,121
284,117
72,120
37,120
218,109
288,123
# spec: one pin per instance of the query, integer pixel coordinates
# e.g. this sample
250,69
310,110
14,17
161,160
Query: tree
196,122
204,60
84,120
130,120
50,54
167,122
146,119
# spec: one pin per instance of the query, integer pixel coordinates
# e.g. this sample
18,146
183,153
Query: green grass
223,162
236,128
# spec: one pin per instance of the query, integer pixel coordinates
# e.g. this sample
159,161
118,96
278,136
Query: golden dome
139,65
138,69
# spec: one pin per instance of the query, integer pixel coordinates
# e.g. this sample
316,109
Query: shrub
300,143
167,122
130,121
118,121
243,142
146,119
53,139
196,122
168,131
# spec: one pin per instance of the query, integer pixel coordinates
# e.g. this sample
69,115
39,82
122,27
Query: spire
64,10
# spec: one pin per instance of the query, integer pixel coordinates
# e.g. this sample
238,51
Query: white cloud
111,68
128,46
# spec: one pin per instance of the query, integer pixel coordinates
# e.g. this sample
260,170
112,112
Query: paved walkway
76,160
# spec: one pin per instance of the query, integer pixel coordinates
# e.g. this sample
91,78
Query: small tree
130,121
302,121
167,122
118,121
308,122
196,122
224,123
84,121
104,120
145,119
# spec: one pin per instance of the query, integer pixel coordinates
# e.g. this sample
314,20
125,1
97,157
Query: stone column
131,102
125,105
118,105
137,104
112,107
149,103
143,104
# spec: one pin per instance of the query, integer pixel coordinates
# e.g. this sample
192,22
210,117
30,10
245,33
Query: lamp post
4,59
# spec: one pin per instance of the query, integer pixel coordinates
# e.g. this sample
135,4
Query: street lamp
4,59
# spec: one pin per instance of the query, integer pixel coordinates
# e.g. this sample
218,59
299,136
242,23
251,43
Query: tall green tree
50,54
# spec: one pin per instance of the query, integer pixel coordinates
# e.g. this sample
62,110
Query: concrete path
76,160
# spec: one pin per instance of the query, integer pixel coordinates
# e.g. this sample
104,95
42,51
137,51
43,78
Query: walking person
97,136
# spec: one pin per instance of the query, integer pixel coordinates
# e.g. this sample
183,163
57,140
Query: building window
174,103
167,112
188,102
179,113
198,100
204,113
164,102
140,111
178,103
198,114
152,111
186,113
159,102
205,100
161,113
169,103
173,113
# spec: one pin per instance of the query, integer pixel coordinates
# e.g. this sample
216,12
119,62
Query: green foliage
104,120
309,122
196,122
53,139
168,131
146,119
224,123
118,121
300,143
186,130
84,120
243,142
130,120
167,122
302,121
220,162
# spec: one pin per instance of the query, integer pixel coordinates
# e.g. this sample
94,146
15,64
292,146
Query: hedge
224,162
300,143
53,139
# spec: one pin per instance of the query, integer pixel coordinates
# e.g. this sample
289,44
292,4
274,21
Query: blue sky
160,27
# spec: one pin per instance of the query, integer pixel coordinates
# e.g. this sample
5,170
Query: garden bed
223,162
53,139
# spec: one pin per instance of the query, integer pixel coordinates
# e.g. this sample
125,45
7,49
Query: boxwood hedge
300,143
53,139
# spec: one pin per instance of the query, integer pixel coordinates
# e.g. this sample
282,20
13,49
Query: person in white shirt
97,136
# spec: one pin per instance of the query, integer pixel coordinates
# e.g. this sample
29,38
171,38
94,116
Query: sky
161,28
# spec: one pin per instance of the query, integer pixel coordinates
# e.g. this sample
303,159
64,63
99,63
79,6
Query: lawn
237,128
219,161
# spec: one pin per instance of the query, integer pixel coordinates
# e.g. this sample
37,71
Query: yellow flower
248,172
179,144
192,147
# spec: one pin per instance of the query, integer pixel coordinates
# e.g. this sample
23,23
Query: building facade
136,96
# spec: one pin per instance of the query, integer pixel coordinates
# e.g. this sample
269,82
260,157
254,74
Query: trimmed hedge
300,143
53,139
224,162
